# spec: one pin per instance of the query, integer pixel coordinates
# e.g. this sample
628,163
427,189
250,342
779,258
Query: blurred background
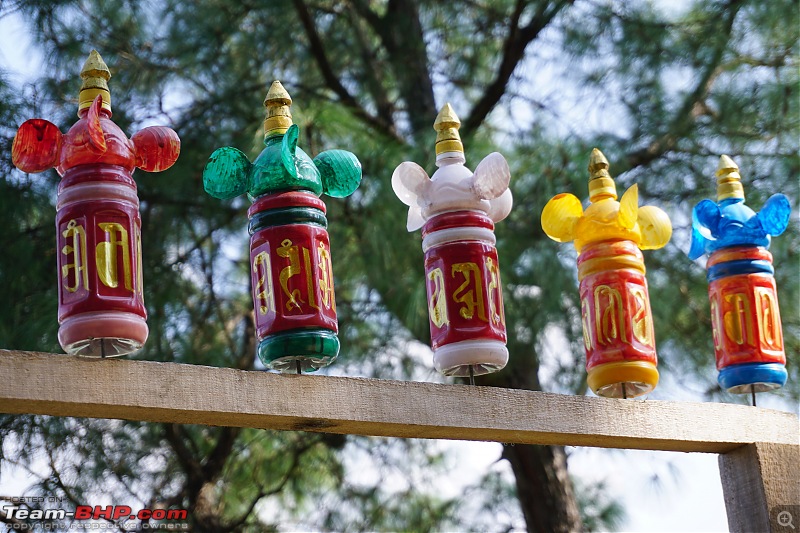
662,88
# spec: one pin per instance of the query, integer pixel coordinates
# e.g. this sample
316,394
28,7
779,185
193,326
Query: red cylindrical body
292,281
744,307
617,320
101,305
465,300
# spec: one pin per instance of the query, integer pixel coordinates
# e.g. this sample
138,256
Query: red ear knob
157,148
37,145
96,136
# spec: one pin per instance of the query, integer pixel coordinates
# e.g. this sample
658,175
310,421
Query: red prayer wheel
101,308
465,298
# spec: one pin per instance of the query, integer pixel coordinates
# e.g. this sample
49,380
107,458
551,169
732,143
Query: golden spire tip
95,76
729,181
446,118
94,66
601,184
277,95
279,117
446,126
726,164
597,164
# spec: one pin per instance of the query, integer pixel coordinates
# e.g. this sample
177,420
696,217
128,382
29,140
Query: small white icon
785,519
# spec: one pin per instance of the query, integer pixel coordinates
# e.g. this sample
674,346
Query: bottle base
481,356
626,379
752,377
299,351
102,334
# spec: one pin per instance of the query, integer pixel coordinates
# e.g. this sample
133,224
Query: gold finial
277,102
729,181
95,76
601,184
446,126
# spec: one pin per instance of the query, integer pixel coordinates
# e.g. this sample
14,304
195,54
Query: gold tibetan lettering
495,293
471,297
587,325
737,326
642,318
77,250
769,329
106,255
291,252
437,304
139,275
312,299
716,323
265,295
326,277
609,319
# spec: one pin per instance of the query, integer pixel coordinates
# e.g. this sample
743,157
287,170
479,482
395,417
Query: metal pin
103,348
753,394
624,392
299,366
471,375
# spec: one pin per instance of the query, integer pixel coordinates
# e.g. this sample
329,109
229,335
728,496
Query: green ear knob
340,171
226,174
288,149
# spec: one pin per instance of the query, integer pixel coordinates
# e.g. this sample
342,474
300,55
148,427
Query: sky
661,491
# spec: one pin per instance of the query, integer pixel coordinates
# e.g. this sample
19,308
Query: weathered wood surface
60,385
761,485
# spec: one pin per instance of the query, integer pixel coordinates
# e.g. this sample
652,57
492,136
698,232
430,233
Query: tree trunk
544,488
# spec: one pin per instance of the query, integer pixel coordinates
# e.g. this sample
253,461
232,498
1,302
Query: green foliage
661,90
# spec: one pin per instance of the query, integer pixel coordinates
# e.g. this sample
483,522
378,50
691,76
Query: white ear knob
409,180
491,177
500,207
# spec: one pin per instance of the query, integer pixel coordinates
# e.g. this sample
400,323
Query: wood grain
60,385
760,481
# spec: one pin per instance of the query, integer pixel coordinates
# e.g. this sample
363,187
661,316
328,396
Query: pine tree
662,91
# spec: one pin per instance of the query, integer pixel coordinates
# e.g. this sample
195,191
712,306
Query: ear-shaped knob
157,148
409,180
227,173
340,171
655,227
491,177
500,207
705,216
96,136
774,216
415,219
288,149
629,207
560,215
37,146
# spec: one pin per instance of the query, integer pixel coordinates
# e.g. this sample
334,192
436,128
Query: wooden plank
37,383
761,485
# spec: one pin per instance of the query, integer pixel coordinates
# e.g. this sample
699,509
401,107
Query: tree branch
332,81
174,435
373,71
684,117
513,52
222,450
262,493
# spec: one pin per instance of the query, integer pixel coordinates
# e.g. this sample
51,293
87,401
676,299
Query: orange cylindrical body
617,320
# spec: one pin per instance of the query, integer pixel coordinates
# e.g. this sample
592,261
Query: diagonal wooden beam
60,385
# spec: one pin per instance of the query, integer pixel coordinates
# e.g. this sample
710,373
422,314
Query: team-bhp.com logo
98,517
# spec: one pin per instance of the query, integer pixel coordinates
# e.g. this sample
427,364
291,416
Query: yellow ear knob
560,215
